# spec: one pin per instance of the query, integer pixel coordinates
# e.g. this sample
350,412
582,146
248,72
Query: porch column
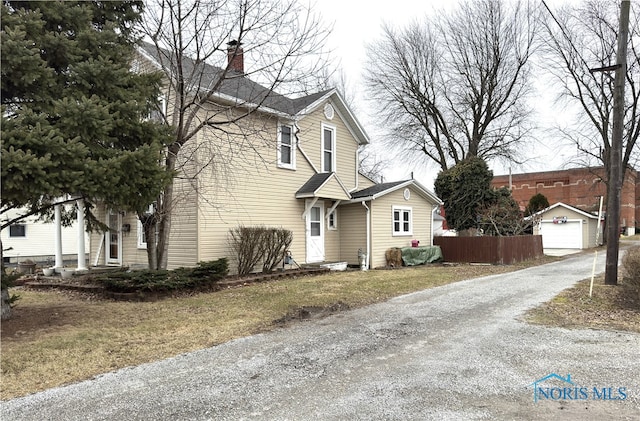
82,263
58,238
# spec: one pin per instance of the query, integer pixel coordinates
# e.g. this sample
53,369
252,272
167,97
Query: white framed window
142,238
286,147
17,231
328,155
402,220
158,114
332,221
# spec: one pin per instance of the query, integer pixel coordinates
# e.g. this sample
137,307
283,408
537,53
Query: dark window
18,230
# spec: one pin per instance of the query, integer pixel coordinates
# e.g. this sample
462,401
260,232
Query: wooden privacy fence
496,250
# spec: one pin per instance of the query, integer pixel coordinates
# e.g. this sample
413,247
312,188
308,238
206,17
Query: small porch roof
323,185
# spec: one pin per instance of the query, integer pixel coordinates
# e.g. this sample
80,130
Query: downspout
433,214
368,234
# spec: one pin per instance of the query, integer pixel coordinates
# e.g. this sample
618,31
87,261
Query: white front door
315,234
113,239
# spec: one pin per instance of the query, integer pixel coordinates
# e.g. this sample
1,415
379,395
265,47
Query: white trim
402,210
333,225
333,130
292,146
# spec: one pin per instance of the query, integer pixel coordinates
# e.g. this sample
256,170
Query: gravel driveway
456,352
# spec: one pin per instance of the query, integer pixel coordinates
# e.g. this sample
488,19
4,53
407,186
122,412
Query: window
328,148
18,230
158,112
142,238
402,223
332,221
286,147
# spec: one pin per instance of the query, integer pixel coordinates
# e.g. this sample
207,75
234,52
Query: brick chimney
235,55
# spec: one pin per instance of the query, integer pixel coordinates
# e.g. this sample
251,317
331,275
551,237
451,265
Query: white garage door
561,236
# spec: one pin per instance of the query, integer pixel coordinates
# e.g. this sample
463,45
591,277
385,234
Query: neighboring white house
565,227
34,239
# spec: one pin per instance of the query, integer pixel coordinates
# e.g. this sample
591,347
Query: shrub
275,242
247,247
203,275
254,244
631,266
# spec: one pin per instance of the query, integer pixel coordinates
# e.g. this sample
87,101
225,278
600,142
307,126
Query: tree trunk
6,304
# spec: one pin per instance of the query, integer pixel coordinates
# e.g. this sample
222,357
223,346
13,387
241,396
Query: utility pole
615,160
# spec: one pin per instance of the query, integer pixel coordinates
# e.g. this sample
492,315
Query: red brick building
578,187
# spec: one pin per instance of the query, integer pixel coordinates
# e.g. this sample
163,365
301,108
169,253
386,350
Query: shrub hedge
203,275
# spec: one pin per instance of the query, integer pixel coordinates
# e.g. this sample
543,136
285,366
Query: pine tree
73,112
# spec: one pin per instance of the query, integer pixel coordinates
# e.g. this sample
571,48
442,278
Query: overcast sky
358,22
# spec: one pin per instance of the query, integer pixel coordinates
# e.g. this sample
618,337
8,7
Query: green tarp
412,256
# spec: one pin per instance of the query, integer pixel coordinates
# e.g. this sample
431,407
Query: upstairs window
402,221
286,147
328,148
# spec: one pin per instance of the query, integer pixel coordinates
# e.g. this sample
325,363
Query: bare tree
224,61
583,37
454,85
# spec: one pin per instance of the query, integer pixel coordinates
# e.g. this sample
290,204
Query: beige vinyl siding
364,182
331,237
334,190
382,223
310,136
352,225
132,256
183,236
251,191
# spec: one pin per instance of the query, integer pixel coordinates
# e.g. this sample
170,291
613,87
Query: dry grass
59,337
611,307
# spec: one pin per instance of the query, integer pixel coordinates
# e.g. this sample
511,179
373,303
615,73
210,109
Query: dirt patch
310,313
47,317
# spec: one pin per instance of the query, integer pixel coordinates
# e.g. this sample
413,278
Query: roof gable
568,207
381,189
326,185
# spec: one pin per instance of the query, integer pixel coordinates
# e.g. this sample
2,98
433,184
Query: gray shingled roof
234,85
314,183
376,189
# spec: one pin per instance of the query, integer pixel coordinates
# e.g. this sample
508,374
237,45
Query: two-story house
299,170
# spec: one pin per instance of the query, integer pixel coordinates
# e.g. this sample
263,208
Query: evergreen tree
537,203
73,113
465,188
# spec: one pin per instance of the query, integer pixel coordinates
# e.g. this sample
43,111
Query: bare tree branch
454,85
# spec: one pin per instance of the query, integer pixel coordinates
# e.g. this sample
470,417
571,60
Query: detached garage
565,227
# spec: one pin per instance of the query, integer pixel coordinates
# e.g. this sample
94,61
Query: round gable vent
328,111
